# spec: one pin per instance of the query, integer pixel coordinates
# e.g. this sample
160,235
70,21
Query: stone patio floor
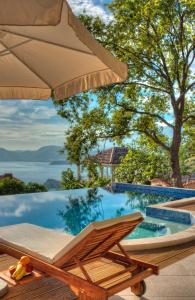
176,282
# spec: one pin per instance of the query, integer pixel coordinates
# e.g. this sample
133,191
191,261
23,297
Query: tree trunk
175,147
79,172
175,165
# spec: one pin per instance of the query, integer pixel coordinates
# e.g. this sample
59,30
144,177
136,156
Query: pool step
152,226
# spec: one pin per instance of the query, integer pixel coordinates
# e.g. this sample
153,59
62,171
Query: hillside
44,154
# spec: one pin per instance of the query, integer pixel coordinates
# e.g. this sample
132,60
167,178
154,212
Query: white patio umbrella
45,48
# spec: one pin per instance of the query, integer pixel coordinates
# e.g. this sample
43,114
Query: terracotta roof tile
112,156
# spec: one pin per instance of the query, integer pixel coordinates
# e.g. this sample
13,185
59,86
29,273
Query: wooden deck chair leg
83,296
139,289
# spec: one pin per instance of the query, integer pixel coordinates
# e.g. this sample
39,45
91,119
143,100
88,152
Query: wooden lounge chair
85,262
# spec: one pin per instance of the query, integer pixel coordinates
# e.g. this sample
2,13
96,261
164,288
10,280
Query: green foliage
156,39
96,182
81,211
142,165
70,182
13,187
91,166
190,149
33,187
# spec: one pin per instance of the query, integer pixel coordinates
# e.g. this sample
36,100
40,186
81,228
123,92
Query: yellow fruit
21,274
19,268
24,260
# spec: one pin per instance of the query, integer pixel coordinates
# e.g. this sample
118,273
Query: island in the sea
59,162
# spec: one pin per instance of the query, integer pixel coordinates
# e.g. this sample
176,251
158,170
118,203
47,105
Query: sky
28,124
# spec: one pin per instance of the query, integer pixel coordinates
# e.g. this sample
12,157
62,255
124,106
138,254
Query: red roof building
110,159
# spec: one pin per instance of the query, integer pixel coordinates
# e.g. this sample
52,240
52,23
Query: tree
69,182
142,165
80,137
10,186
33,187
155,38
188,151
73,146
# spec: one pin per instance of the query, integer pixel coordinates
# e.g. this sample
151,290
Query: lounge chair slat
97,242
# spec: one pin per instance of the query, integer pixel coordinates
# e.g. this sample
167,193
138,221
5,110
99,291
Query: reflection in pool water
81,211
72,210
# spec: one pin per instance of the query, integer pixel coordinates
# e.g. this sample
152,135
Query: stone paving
176,282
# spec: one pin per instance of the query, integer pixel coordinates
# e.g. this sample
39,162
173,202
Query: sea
35,171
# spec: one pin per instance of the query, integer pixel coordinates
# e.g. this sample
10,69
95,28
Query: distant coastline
38,172
44,165
59,162
44,154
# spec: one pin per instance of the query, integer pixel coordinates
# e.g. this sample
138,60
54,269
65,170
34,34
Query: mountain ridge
43,154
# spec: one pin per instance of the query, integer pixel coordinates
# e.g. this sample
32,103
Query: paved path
176,282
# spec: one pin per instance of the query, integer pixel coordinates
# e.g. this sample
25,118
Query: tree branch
153,115
154,137
190,86
192,60
162,56
147,85
189,117
147,133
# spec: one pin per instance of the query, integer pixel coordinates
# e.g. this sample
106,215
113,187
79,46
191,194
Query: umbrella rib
49,42
29,67
15,46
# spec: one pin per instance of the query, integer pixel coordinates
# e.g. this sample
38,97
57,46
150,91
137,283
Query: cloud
30,125
15,210
31,136
7,112
90,8
42,113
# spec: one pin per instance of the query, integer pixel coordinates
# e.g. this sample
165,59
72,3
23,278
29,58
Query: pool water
73,210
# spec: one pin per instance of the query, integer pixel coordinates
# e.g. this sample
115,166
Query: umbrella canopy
45,48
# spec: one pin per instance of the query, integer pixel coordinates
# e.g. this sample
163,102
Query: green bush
70,182
96,182
33,187
10,186
142,165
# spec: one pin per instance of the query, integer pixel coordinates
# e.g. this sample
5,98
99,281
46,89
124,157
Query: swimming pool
72,210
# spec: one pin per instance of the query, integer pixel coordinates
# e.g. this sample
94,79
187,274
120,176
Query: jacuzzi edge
175,239
167,211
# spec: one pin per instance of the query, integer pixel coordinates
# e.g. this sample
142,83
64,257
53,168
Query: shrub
33,187
10,186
